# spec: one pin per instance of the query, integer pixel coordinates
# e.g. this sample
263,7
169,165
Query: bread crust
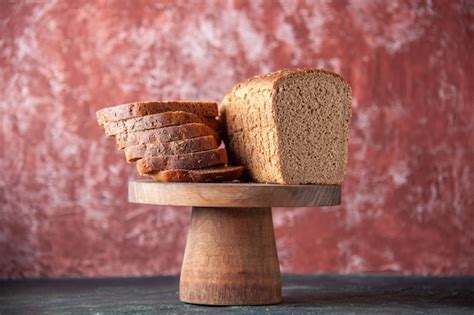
284,73
214,174
138,109
182,161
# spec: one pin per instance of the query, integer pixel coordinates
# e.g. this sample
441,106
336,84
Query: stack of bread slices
170,141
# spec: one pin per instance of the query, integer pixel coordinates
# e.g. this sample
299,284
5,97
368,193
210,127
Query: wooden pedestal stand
230,256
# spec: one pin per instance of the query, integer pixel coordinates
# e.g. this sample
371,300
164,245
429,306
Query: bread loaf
213,174
182,161
136,152
156,121
165,134
138,109
290,127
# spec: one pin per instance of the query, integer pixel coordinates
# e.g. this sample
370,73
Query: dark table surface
309,294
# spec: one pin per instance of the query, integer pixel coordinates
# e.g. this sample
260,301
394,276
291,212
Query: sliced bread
165,134
136,152
182,161
157,121
212,174
138,109
290,127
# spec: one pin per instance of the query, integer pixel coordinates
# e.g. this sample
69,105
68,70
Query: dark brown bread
165,134
138,109
182,161
155,121
212,174
290,127
213,122
136,152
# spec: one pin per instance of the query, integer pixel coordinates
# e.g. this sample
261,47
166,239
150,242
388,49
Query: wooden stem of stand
230,258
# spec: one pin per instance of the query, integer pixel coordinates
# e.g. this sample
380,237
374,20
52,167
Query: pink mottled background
408,204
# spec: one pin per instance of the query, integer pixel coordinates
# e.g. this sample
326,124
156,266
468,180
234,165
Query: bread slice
290,127
138,109
212,174
136,152
165,134
182,161
157,121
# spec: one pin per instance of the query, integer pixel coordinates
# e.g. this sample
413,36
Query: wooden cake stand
230,256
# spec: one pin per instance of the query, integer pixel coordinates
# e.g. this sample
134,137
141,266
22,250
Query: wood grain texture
230,258
233,194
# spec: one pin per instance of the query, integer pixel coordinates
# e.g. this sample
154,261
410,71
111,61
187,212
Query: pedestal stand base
230,258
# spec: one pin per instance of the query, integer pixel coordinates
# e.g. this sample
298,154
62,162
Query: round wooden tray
230,256
233,194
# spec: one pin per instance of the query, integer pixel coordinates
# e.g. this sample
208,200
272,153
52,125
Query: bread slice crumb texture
136,152
182,161
312,110
156,121
165,134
